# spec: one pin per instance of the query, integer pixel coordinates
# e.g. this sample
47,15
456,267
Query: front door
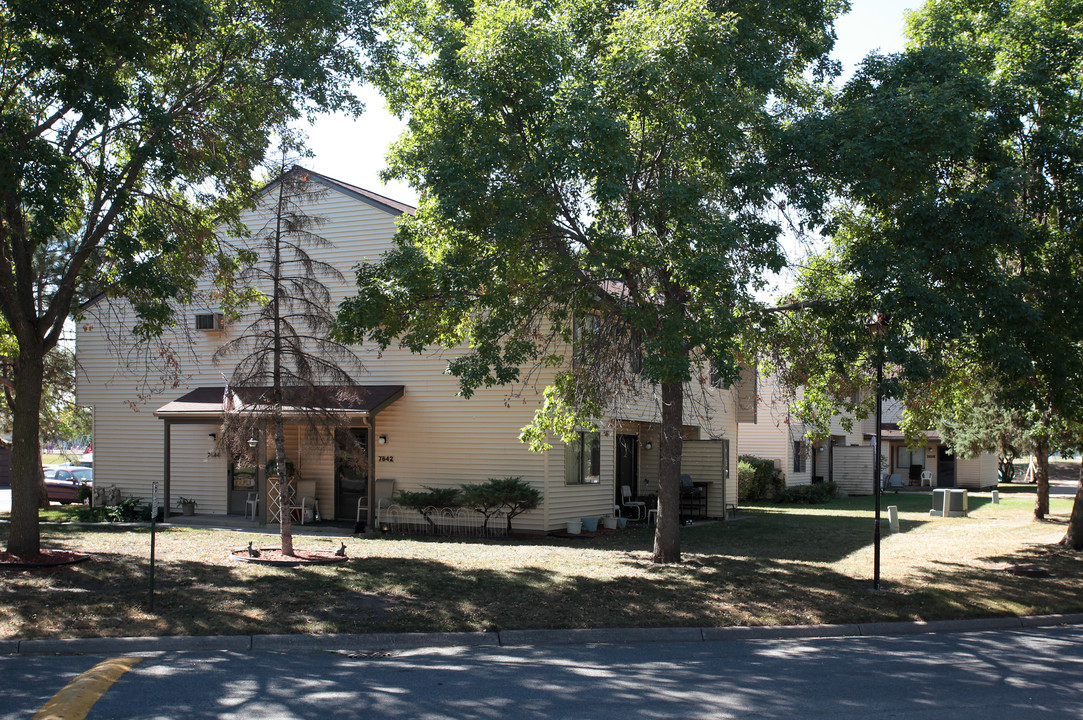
351,472
945,467
242,483
627,465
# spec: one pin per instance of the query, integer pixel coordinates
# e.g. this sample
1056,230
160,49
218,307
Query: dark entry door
242,482
945,467
351,471
627,464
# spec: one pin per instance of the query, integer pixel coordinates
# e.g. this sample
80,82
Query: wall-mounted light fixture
648,445
252,443
382,439
213,437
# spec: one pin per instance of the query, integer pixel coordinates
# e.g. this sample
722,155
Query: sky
353,150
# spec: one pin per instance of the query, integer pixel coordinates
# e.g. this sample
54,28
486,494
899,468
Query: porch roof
208,402
891,431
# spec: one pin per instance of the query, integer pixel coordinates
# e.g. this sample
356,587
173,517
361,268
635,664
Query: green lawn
778,564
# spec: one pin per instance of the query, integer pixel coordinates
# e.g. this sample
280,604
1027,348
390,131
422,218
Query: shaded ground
779,564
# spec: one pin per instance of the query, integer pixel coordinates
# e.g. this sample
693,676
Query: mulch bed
43,559
275,556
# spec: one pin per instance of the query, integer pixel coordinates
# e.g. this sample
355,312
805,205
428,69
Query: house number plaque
386,458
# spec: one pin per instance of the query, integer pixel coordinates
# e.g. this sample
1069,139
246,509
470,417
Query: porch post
165,470
370,519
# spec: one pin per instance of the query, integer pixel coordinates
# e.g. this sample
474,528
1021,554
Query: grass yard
778,564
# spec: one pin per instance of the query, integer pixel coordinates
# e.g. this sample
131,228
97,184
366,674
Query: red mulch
275,556
45,558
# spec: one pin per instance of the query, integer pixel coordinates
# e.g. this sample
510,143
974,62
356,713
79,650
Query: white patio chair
926,477
639,506
251,506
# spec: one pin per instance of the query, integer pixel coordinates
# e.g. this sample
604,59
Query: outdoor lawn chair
305,501
626,500
926,477
251,505
894,481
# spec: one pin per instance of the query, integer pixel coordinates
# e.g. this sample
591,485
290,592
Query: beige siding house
157,411
846,457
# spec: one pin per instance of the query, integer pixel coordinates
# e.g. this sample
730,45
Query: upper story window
583,459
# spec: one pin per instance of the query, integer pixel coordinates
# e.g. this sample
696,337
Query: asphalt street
1032,673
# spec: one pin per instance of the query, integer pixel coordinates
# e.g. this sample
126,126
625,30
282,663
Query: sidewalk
506,638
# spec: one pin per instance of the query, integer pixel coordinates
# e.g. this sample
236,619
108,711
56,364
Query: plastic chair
926,477
304,499
251,505
626,500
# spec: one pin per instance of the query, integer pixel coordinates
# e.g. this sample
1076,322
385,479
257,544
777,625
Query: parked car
63,483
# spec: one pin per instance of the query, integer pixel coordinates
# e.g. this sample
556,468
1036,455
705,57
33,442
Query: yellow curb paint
76,698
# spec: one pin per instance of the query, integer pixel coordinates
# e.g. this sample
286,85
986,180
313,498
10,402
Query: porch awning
209,402
891,431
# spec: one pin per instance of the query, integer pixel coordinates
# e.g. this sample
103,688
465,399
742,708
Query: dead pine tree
286,363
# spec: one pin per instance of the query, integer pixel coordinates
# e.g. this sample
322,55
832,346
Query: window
583,459
585,337
725,458
798,456
907,457
716,375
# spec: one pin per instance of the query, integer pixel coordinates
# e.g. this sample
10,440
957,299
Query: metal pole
876,464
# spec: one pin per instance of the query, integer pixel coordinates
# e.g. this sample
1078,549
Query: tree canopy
130,131
594,165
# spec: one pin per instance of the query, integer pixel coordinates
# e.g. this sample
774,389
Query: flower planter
590,524
574,527
188,508
610,523
622,522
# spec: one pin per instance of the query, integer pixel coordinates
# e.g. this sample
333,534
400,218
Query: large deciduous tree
590,164
128,128
960,162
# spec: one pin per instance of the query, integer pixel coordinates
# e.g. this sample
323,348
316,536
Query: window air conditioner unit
209,321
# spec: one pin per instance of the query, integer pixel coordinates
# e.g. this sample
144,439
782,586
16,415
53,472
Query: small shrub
513,495
423,500
130,509
815,494
758,480
82,495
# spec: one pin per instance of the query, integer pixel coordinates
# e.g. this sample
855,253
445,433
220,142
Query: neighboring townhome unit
158,411
846,456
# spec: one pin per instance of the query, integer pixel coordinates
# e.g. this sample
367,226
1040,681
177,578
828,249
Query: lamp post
877,326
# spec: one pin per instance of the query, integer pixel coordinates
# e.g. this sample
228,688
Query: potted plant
187,506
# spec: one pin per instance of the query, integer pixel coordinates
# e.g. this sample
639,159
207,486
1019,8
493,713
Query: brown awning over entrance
209,402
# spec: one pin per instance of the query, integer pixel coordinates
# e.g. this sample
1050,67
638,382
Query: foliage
430,499
181,501
596,207
84,494
513,495
814,494
130,509
131,130
757,479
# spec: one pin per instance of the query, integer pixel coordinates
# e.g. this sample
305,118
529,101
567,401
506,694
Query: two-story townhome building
158,408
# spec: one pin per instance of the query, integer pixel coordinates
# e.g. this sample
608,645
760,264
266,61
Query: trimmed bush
758,480
815,494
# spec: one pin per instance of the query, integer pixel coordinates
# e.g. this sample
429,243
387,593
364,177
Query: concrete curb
86,646
516,638
373,641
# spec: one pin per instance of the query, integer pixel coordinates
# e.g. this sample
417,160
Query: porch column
165,470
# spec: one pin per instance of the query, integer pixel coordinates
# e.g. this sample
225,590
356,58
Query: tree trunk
1041,475
1074,537
26,477
667,534
285,518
